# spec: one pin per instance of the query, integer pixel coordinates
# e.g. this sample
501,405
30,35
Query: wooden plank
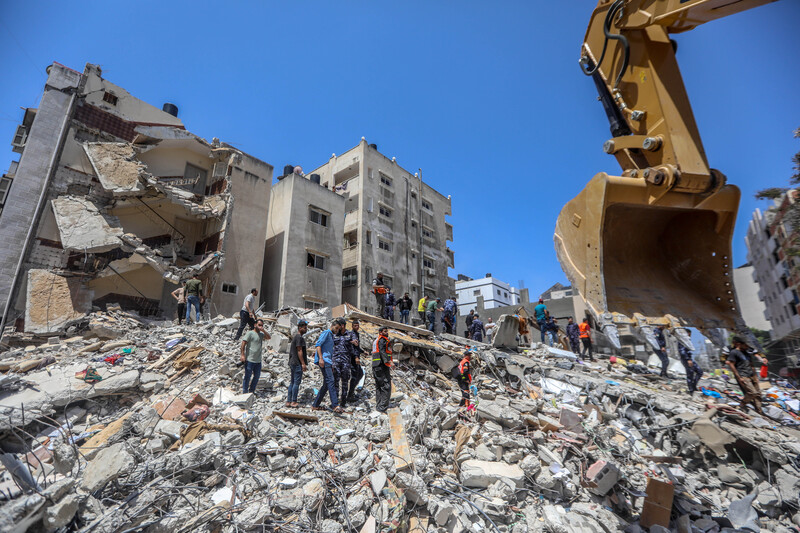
296,416
99,440
662,459
402,452
391,324
171,355
417,525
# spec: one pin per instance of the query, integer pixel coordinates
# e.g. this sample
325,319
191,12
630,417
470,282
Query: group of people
579,335
189,295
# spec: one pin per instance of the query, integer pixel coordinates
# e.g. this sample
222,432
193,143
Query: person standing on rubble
297,362
355,361
422,307
463,375
180,296
194,295
405,306
449,314
573,333
586,338
433,306
388,304
741,364
323,358
251,349
247,315
381,369
379,290
476,329
662,351
693,372
468,321
541,313
341,361
551,331
489,329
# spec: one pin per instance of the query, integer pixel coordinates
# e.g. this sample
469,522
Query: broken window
385,211
427,262
427,233
111,98
317,216
476,292
5,184
384,245
349,277
315,261
311,305
194,179
230,288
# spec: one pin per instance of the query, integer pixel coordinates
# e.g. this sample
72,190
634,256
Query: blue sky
488,101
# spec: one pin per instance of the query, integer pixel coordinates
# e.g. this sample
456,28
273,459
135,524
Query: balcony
350,256
448,231
451,256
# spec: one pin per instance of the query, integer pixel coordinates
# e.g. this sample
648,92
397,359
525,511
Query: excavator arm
653,245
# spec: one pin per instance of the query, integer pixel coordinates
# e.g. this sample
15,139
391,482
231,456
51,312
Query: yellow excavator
651,246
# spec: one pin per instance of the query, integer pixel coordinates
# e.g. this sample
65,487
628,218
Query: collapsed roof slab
116,168
53,302
82,227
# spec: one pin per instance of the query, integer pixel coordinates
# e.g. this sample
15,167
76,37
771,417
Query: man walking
379,290
381,369
323,358
662,351
422,307
180,295
251,350
476,329
194,295
355,361
463,374
693,372
388,304
573,334
433,306
541,313
297,362
247,315
468,321
586,339
341,361
741,365
405,305
449,314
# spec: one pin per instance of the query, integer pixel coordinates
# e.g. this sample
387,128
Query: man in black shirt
741,365
662,350
379,290
355,361
297,362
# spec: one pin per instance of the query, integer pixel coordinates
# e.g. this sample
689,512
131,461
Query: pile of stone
137,425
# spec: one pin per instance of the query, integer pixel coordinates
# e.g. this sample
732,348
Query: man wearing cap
355,361
741,364
297,362
379,290
381,369
341,361
324,359
433,306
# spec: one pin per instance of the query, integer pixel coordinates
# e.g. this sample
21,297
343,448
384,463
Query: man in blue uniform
388,305
693,372
573,333
341,361
662,352
449,315
476,329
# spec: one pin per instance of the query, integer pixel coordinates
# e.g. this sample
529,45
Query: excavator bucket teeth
630,252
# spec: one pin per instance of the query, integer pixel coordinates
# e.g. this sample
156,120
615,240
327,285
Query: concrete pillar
524,297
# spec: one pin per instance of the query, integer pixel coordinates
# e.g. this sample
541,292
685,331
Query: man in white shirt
247,315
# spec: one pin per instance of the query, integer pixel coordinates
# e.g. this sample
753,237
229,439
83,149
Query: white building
752,307
495,293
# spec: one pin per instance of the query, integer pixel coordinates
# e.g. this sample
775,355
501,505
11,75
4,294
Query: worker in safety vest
379,290
463,374
381,369
586,338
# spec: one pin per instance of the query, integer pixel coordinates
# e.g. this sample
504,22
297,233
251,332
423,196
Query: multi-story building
394,223
752,307
495,293
113,201
303,256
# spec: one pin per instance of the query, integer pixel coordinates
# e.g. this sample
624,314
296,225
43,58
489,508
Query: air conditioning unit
430,272
20,138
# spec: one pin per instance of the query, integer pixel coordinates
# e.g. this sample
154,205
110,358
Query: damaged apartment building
332,230
113,201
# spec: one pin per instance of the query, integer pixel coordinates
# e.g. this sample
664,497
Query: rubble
165,441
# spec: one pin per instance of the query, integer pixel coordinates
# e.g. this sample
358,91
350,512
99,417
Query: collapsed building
114,201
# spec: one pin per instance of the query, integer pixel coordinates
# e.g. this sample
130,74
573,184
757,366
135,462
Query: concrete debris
53,302
82,227
138,424
116,168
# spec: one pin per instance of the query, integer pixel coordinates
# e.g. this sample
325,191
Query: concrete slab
82,227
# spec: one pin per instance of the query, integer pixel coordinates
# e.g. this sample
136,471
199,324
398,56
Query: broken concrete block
82,227
53,302
107,465
61,513
605,475
126,380
481,474
244,400
116,167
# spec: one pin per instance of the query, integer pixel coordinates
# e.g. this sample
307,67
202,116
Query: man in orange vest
463,374
586,338
379,290
381,369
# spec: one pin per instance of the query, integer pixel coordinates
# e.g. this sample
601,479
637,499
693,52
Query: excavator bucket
629,251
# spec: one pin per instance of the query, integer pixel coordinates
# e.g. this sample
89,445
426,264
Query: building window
317,216
498,292
230,288
110,98
311,305
386,180
413,195
413,224
385,245
369,238
315,261
427,205
5,184
505,294
349,277
476,292
388,280
385,211
427,263
427,233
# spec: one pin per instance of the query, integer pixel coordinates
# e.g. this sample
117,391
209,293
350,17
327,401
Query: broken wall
54,301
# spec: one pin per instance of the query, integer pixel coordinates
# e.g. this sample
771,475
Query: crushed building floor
132,424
